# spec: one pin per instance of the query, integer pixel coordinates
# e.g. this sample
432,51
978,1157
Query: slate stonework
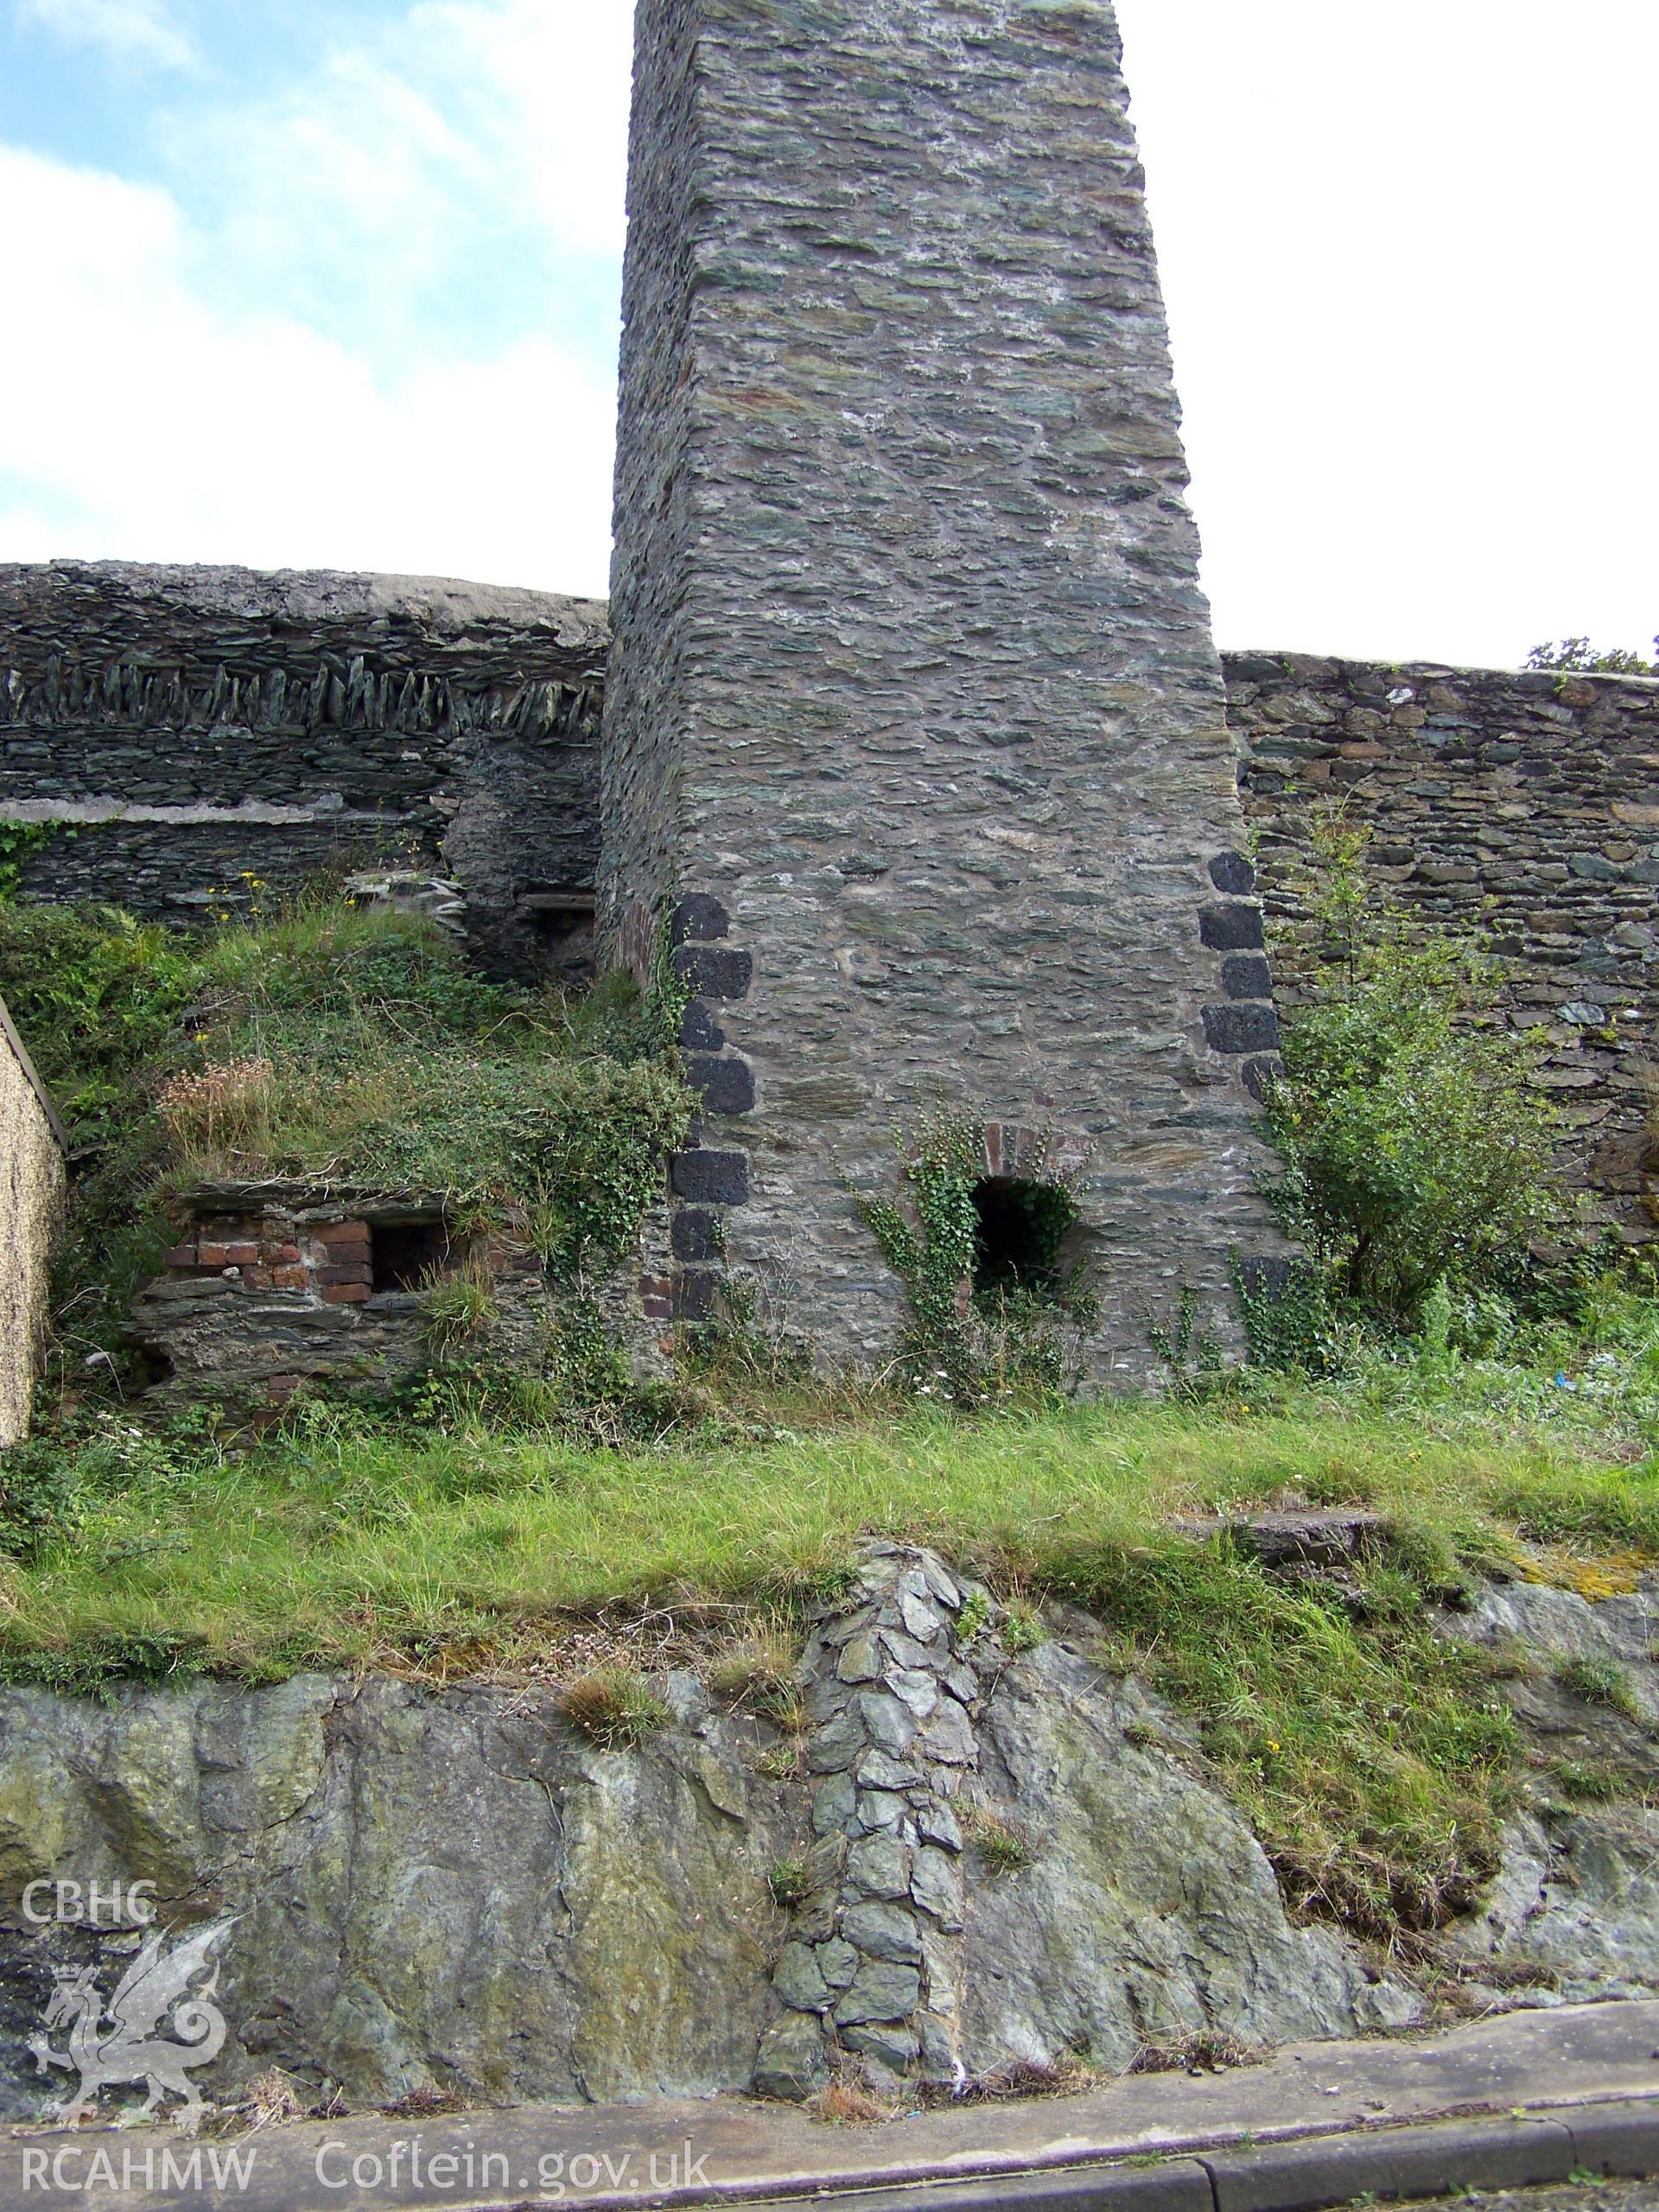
1527,803
914,701
195,727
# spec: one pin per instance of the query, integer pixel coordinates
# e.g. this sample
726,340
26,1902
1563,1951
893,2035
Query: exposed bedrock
983,1857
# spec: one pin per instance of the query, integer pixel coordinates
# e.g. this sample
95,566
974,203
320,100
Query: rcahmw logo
158,2024
71,2170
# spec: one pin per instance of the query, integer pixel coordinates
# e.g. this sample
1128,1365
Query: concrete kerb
1388,2163
1527,2099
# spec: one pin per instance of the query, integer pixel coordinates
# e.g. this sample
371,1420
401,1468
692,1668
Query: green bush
1417,1150
349,1048
1578,657
96,996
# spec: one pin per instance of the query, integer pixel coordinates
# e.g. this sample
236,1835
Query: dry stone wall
915,721
31,1197
189,733
1528,803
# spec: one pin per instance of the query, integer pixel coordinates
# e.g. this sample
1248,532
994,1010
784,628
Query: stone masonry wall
272,1287
1528,803
195,729
31,1197
915,717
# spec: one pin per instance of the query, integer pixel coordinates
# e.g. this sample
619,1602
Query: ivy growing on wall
980,1330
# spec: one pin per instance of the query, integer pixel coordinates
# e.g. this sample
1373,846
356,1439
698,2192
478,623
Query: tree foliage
1579,657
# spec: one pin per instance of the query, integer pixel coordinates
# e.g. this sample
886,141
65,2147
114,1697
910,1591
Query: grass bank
1375,1759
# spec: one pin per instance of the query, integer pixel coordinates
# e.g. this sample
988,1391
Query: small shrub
1416,1150
1578,657
616,1708
1022,1629
975,1614
99,1665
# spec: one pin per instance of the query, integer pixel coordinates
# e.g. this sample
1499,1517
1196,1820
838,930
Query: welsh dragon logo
117,2042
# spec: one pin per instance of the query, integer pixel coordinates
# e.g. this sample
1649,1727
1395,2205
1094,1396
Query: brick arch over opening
1029,1153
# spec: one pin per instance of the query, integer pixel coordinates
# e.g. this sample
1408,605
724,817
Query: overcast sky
334,283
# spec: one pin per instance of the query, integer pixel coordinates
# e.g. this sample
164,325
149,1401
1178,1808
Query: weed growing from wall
973,1338
18,842
456,1307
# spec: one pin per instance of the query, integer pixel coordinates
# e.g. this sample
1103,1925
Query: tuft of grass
456,1306
1003,1847
847,2099
616,1708
758,1672
1598,1781
1201,2051
1599,1682
791,1882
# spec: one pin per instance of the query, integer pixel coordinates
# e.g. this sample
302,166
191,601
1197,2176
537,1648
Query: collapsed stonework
193,735
275,1286
32,1185
914,720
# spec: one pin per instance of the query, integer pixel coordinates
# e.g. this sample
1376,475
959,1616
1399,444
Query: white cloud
177,432
476,147
132,29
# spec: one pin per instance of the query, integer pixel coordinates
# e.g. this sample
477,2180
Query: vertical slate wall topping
912,679
194,727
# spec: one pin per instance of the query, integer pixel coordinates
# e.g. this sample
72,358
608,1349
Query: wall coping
1298,666
8,1032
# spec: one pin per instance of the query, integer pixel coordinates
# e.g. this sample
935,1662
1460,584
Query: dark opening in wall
1022,1231
405,1254
562,930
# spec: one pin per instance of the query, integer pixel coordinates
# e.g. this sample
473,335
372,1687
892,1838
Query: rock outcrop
1578,1893
453,1890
